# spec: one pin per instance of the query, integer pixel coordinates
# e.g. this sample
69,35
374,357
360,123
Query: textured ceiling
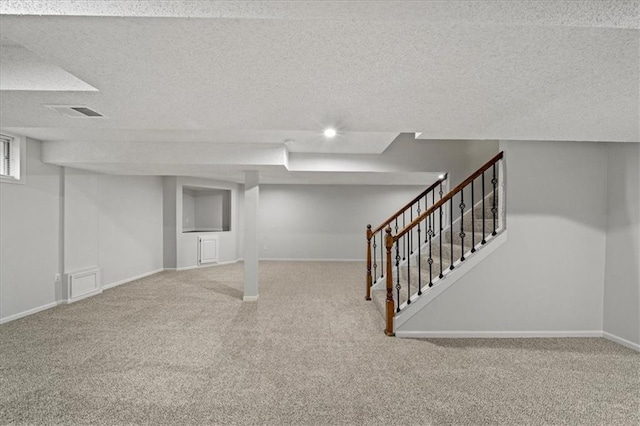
266,72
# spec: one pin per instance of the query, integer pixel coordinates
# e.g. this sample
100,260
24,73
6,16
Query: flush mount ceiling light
330,132
441,176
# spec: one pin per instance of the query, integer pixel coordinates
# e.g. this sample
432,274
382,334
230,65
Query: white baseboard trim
82,296
128,280
308,260
495,334
28,312
619,340
208,265
249,298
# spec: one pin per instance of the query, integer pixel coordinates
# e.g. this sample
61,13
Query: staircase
415,259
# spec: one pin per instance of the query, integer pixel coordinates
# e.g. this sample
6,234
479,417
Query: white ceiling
267,72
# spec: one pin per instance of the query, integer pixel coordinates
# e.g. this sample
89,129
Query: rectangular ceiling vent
76,111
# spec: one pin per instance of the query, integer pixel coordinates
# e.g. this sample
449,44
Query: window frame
18,156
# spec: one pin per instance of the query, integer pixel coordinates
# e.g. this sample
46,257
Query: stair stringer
462,268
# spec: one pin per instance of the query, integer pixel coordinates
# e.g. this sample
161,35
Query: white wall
113,223
622,268
81,214
187,243
324,221
188,210
170,226
548,276
30,237
130,226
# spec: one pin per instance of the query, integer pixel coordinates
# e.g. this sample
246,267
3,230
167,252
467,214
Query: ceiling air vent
76,111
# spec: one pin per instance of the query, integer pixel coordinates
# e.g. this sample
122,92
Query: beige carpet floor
182,348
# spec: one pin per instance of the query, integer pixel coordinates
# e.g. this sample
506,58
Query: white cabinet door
208,250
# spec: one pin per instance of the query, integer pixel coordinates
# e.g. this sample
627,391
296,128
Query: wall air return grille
76,111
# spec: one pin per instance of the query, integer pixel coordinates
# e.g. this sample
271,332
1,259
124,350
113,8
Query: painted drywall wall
548,276
212,210
169,221
187,243
622,267
113,223
30,226
130,226
324,221
81,214
188,210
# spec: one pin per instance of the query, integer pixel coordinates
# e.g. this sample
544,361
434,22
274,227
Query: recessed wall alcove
205,209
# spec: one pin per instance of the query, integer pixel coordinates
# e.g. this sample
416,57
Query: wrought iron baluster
484,241
381,254
419,259
408,273
494,209
473,221
440,237
404,242
430,259
462,234
451,228
375,264
411,221
398,287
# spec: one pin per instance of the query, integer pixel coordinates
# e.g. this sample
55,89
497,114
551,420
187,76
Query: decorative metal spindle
398,276
430,260
419,261
462,234
451,228
440,237
404,241
375,264
441,192
484,241
408,274
494,209
473,221
411,237
381,254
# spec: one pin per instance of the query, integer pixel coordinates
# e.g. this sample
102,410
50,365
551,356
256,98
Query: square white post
251,193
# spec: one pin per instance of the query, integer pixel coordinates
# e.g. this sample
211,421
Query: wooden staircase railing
445,245
377,235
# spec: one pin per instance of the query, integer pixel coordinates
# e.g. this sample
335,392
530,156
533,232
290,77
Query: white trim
495,334
128,280
82,296
308,260
249,298
28,312
76,275
187,268
619,340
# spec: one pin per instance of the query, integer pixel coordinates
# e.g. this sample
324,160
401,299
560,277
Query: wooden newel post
369,278
389,305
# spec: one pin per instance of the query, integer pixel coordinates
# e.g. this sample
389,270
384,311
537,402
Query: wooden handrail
409,204
449,196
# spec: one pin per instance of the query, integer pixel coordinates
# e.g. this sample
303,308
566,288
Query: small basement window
11,163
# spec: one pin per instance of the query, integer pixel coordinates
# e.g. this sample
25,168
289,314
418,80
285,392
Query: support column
251,193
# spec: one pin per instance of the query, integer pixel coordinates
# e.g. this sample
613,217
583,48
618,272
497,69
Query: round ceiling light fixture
330,132
441,176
